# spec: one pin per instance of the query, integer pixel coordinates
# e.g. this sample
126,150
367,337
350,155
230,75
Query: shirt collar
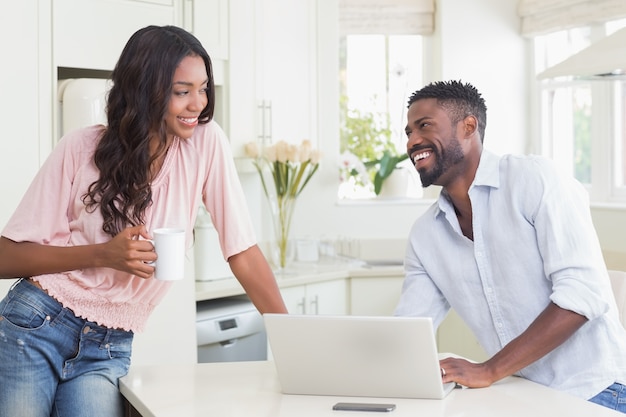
487,174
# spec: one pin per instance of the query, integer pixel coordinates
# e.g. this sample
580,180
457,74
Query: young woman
78,238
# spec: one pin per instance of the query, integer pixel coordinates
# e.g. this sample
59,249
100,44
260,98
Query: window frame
608,107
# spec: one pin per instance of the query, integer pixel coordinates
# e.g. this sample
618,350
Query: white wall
481,44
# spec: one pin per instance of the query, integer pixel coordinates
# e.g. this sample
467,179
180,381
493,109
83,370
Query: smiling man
509,245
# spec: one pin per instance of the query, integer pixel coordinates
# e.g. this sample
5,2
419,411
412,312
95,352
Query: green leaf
386,165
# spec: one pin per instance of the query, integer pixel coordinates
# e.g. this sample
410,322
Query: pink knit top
198,170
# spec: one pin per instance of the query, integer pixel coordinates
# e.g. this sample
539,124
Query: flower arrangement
285,169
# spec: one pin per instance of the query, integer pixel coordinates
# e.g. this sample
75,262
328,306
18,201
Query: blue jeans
614,397
54,364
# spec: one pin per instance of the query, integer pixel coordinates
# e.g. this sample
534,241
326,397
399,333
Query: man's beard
450,156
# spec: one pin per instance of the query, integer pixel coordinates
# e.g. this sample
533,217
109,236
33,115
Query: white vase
396,185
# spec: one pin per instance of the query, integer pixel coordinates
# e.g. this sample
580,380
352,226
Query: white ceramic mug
169,245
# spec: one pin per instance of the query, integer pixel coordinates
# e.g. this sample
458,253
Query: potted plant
369,155
384,167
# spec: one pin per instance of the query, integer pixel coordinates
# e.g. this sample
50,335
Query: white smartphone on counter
364,407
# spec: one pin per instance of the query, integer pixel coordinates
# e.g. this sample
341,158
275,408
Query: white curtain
391,17
543,16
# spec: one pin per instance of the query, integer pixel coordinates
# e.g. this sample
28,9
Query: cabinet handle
269,122
302,305
265,119
315,304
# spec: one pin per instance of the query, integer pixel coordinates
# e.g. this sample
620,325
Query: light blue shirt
534,242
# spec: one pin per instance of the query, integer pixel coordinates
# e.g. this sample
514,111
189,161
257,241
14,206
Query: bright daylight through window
582,120
378,74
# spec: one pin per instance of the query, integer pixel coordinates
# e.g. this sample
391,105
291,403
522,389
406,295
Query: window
378,73
583,126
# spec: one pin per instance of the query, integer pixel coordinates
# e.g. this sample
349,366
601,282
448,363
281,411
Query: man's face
433,143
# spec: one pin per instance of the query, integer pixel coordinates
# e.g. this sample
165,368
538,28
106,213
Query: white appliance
230,330
82,102
208,258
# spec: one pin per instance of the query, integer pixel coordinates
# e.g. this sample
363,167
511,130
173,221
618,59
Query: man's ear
470,126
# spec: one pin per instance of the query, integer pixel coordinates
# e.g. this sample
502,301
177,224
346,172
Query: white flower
351,166
290,167
304,153
252,150
270,153
292,154
316,156
282,151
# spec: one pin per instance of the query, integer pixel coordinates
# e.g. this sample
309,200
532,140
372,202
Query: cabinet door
92,34
25,114
208,20
329,297
295,299
272,67
374,296
287,66
453,336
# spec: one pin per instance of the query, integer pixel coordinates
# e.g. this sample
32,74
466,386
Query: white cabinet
208,21
91,34
374,296
455,337
328,297
170,333
25,83
272,70
378,296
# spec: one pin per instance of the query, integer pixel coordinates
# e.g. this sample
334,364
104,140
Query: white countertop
245,389
300,274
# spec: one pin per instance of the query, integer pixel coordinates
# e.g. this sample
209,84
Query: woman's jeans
53,363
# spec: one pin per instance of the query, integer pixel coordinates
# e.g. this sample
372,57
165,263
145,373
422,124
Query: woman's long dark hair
136,107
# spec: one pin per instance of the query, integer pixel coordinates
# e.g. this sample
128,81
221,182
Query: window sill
606,205
405,201
399,201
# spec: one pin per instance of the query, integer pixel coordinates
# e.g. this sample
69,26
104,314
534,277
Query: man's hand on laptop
465,373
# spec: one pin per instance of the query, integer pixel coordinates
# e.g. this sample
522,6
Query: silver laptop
359,356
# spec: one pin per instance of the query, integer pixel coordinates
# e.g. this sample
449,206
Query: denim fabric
614,397
54,364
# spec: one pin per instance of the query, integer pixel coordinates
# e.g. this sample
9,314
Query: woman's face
188,98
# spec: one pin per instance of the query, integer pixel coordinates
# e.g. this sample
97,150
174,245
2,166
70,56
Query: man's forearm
549,330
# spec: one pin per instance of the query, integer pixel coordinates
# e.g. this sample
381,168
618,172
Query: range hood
605,59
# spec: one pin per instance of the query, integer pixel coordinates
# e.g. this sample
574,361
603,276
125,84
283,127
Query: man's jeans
614,397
